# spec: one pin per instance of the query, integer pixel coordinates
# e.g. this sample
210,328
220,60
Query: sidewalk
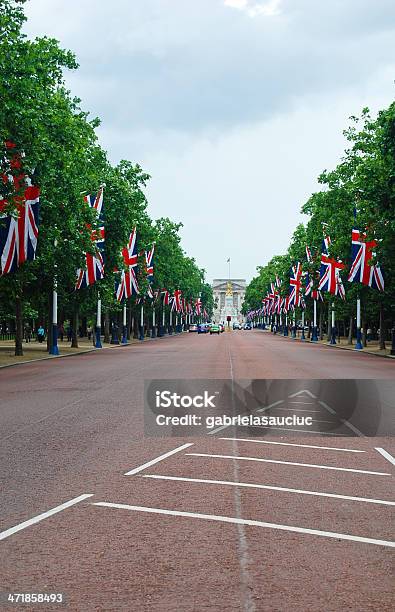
34,351
372,347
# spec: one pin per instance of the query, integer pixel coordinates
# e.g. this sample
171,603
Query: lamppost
98,323
141,337
124,339
302,337
314,335
333,330
54,350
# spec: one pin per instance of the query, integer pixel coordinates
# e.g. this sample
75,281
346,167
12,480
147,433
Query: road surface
228,521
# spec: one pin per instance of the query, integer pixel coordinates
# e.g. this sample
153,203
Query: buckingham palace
228,299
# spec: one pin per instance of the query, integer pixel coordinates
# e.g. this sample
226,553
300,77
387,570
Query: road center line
311,465
157,459
271,488
309,403
44,515
347,450
386,454
252,523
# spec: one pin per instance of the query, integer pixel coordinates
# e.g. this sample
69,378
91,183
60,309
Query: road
228,521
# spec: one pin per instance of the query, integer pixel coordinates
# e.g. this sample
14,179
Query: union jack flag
176,301
149,262
19,233
94,269
314,293
128,284
198,306
295,285
361,270
165,297
330,279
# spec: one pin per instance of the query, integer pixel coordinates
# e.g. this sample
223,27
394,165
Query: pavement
240,519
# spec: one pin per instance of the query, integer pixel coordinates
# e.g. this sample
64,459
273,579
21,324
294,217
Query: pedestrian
40,334
69,333
369,334
274,329
61,331
89,330
28,333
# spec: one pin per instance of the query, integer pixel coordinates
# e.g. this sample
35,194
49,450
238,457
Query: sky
234,107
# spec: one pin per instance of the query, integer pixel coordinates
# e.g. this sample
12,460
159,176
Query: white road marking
303,391
344,421
272,488
386,454
311,465
309,403
44,515
270,406
157,459
252,523
347,450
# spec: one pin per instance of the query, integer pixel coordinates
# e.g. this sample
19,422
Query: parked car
247,326
221,327
202,328
236,325
214,329
193,328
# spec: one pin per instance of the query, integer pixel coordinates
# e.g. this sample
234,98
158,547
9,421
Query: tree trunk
136,327
363,330
321,323
18,327
382,328
328,329
74,338
349,339
130,321
107,327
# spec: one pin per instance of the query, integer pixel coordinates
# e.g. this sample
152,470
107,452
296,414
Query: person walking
40,334
28,333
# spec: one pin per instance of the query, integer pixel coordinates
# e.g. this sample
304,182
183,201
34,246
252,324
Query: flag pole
54,349
98,343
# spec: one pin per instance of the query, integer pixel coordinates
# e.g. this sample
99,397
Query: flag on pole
330,279
362,271
19,231
94,264
128,284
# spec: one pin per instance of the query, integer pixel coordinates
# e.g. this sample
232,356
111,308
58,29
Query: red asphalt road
74,426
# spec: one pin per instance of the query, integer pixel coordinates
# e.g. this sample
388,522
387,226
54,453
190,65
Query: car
214,329
221,327
247,326
236,325
193,328
202,328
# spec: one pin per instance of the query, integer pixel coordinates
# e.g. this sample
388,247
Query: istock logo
165,399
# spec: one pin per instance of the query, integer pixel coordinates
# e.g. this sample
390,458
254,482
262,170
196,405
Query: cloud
253,9
233,116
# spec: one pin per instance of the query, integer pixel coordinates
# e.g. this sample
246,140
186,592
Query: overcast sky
233,106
